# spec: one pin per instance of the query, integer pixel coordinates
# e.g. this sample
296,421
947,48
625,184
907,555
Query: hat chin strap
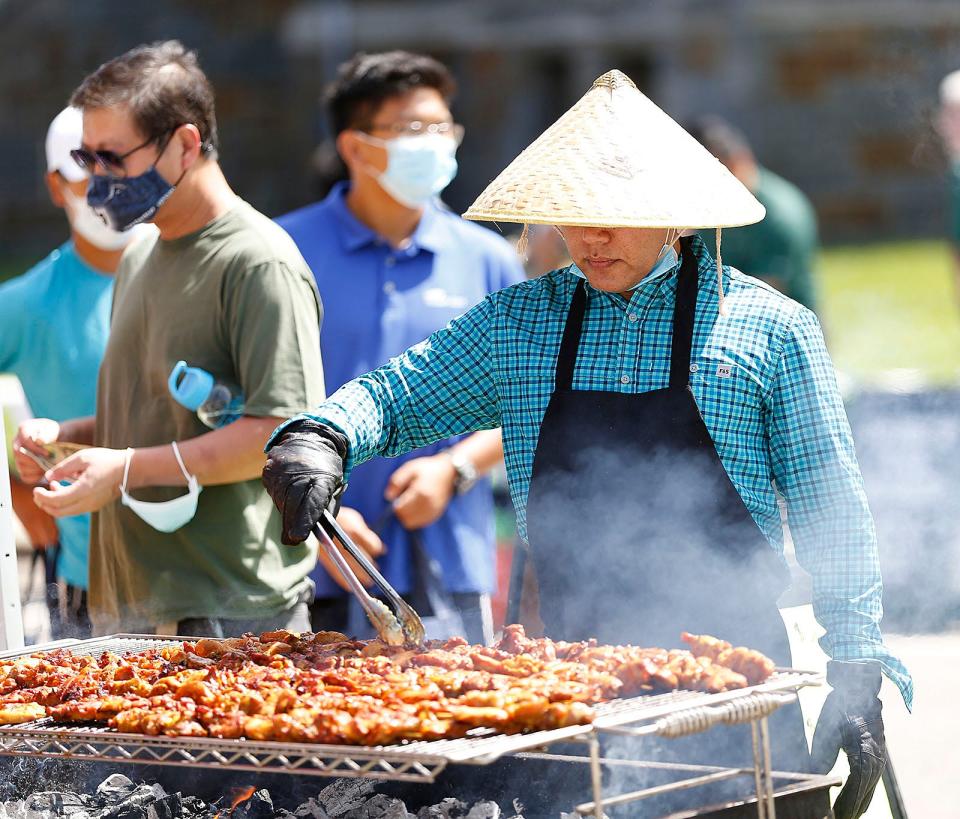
722,302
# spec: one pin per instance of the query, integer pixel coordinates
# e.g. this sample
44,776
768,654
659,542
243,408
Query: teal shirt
762,379
54,321
782,247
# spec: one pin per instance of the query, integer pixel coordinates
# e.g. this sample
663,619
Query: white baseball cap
950,89
64,135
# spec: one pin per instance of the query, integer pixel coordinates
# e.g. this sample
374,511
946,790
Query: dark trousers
67,607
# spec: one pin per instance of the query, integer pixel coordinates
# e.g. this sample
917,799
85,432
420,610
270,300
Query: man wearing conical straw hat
649,398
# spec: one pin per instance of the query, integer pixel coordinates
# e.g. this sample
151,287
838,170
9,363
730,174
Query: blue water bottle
217,403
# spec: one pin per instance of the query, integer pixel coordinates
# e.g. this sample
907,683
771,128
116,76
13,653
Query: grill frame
409,762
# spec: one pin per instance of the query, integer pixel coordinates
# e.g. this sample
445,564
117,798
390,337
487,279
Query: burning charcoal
115,787
484,810
449,808
380,806
193,806
311,809
134,805
344,794
258,806
169,807
54,803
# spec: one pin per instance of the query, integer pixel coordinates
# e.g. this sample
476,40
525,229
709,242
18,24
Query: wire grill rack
409,762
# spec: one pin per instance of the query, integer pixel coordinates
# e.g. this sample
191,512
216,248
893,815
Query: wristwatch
466,475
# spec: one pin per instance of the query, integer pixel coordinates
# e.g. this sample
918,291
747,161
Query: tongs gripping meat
397,627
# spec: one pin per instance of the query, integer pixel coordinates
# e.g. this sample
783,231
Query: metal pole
11,621
767,769
596,775
757,766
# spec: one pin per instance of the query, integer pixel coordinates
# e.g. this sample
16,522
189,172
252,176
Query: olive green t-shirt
237,299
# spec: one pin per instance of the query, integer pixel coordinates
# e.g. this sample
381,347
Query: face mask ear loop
126,471
183,469
722,302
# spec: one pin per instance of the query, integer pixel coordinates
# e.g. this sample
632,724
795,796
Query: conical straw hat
616,160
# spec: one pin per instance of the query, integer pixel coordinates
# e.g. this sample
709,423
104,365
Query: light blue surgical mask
418,167
666,260
165,516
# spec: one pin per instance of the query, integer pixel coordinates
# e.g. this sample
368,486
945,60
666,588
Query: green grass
892,307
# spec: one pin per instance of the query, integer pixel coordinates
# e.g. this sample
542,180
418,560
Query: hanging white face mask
165,516
85,221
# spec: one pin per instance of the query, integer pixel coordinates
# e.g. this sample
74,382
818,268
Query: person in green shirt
781,249
224,289
948,125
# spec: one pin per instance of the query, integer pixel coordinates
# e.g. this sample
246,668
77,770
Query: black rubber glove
851,720
303,475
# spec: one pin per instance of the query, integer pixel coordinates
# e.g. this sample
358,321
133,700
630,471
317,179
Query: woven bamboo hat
616,160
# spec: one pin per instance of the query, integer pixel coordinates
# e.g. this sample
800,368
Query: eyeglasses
417,128
111,161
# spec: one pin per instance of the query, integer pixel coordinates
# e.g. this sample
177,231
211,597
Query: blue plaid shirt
762,378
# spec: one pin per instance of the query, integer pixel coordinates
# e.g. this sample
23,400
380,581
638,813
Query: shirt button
694,368
624,379
389,287
390,261
633,317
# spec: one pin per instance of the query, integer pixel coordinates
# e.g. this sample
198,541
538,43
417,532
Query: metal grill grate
410,762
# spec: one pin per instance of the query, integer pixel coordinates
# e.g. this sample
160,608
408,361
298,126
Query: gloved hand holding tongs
304,474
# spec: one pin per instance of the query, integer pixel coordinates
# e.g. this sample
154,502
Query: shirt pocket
724,386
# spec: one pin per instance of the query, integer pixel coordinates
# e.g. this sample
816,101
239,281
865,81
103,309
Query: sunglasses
111,161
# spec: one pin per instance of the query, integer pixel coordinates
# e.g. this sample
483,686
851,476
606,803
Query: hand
851,720
32,435
94,475
352,522
421,489
41,528
303,473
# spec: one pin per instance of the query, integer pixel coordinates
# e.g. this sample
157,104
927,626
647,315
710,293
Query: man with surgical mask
183,540
393,265
55,320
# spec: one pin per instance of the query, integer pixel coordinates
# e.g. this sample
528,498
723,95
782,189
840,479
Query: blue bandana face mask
125,201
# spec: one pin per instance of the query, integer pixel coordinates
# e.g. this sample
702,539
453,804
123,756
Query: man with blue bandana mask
393,265
183,537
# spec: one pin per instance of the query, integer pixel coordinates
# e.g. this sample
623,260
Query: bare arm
230,454
78,430
484,449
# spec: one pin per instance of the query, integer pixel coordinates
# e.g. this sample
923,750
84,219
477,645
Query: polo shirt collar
430,233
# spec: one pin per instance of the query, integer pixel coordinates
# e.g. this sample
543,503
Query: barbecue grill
669,715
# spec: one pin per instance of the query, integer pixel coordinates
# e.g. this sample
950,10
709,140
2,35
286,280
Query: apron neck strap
684,311
571,338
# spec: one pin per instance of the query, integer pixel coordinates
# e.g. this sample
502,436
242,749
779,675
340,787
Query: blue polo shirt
378,301
54,322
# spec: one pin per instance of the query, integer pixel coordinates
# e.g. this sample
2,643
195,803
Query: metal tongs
397,627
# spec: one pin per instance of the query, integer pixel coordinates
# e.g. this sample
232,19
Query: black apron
635,529
637,533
